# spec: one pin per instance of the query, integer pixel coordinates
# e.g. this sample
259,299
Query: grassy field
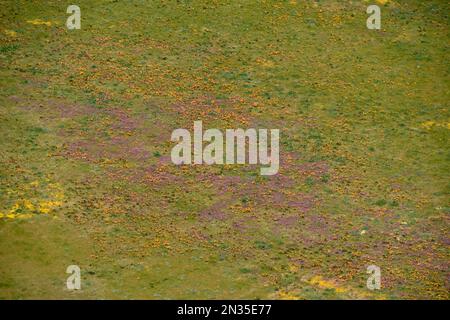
86,176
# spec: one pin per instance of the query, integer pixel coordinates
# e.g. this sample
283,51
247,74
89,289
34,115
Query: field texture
86,176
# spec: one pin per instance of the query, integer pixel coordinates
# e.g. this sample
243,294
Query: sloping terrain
86,176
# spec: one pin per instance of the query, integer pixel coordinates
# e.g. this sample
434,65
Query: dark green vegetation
86,179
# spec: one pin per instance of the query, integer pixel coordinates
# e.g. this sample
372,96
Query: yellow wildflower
14,208
10,33
325,284
28,205
34,183
39,22
24,216
284,295
428,124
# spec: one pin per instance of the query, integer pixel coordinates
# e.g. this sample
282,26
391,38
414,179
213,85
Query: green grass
86,117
